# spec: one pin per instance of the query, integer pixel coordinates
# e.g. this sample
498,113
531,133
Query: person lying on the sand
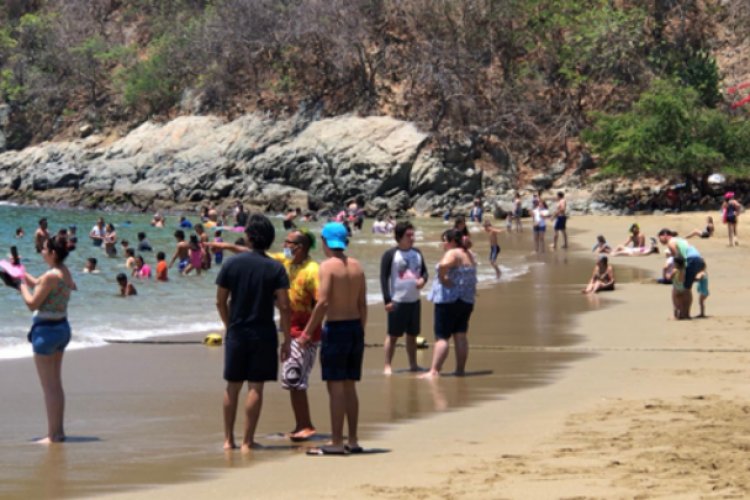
636,251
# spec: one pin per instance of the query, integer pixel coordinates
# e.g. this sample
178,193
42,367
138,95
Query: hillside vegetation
518,76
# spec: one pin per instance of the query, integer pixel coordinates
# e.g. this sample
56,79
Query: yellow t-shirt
303,292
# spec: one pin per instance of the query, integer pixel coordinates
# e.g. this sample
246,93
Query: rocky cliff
386,164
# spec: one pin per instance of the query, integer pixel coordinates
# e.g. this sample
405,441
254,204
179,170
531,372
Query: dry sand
661,410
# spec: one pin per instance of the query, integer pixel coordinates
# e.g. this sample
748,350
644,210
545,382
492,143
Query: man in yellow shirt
303,294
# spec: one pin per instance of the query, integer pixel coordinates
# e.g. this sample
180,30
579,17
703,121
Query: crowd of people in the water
322,306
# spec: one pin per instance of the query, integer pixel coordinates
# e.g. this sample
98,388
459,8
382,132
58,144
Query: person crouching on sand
48,297
453,293
603,277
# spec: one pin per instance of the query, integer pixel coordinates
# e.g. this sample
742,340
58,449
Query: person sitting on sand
126,289
603,277
636,239
704,233
639,251
601,245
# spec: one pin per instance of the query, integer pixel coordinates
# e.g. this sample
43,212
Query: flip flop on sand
327,450
303,435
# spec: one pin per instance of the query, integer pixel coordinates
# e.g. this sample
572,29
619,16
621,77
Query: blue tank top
464,279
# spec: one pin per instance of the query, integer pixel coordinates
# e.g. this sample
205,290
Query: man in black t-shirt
248,286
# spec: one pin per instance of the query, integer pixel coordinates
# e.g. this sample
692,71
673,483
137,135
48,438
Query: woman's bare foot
430,374
50,440
230,445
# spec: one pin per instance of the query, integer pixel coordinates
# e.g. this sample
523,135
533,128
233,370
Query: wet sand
149,415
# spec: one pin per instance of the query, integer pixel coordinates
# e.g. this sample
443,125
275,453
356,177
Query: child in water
126,289
218,254
195,256
161,267
494,246
141,270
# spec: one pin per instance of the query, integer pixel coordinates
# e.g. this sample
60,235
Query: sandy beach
635,405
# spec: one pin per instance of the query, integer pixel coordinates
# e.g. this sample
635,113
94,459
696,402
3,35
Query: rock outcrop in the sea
271,165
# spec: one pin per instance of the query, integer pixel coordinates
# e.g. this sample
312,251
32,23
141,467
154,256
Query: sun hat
335,236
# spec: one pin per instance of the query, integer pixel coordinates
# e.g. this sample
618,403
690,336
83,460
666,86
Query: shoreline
597,430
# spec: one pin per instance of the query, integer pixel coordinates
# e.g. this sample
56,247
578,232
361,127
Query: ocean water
185,304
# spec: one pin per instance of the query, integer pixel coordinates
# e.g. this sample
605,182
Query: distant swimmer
48,296
110,240
143,244
248,287
126,288
290,217
181,252
90,266
158,220
492,233
129,259
142,270
195,256
185,223
343,304
41,235
403,274
162,269
97,232
20,233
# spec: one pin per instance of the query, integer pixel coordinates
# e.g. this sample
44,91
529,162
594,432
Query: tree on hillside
670,133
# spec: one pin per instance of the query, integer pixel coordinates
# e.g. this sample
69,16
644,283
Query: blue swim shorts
49,336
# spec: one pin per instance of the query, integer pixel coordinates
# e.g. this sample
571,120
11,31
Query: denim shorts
49,336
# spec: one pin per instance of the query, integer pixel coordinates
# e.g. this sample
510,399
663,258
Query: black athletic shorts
255,360
452,317
342,350
404,319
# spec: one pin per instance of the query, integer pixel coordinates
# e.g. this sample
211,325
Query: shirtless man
41,235
342,302
182,251
561,218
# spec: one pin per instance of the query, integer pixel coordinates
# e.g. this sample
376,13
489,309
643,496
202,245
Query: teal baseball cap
335,235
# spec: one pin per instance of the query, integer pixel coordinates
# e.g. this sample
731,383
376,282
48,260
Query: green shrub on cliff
670,132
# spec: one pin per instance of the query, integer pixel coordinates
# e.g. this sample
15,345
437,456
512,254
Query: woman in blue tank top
453,293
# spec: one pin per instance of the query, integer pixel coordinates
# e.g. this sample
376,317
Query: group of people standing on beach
322,306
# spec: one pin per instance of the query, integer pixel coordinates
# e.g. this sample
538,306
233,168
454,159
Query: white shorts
295,371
